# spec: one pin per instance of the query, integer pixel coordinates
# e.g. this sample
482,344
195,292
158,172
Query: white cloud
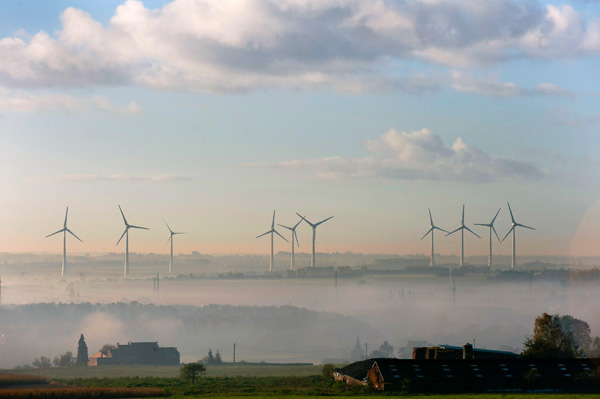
163,177
465,82
418,155
238,45
22,101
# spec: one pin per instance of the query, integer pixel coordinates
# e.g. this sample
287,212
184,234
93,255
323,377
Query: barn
136,353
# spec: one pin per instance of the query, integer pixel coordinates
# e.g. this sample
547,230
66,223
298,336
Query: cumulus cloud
465,82
163,177
21,101
417,155
229,46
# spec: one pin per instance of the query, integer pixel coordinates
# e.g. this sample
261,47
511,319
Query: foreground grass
227,370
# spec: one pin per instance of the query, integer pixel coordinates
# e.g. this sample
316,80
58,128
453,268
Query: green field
237,370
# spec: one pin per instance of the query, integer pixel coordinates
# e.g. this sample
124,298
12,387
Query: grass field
237,370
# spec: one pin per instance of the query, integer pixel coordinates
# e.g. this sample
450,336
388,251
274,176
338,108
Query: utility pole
453,292
366,352
335,276
0,290
157,283
234,353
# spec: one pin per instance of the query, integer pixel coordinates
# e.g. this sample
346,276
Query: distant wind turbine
462,229
171,234
514,229
294,235
491,227
271,232
432,227
64,230
126,234
314,226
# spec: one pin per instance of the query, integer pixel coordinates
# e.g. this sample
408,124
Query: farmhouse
136,353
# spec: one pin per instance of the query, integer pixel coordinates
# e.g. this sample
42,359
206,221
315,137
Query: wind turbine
314,226
172,233
294,235
432,227
64,230
462,229
271,232
491,226
514,229
126,234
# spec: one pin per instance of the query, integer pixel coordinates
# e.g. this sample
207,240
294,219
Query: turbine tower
432,227
314,226
294,235
171,234
64,230
126,234
491,227
514,229
271,232
462,229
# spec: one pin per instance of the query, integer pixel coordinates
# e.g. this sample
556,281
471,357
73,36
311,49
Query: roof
396,370
477,350
357,370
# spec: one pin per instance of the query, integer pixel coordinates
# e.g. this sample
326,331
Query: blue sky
212,113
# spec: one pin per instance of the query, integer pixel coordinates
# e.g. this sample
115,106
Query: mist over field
280,317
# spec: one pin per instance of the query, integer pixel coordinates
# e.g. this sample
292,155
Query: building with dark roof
136,353
480,375
457,352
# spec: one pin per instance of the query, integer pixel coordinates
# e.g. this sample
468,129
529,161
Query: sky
212,113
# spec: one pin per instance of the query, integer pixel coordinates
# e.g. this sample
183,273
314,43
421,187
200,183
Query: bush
328,370
192,371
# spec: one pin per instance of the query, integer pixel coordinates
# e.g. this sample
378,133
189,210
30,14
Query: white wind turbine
271,232
314,226
126,234
462,229
514,229
432,227
491,227
294,235
64,230
171,234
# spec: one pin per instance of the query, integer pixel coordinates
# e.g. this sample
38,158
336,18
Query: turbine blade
439,228
303,218
472,232
463,215
73,234
122,235
285,227
527,227
481,224
122,214
264,234
295,235
139,227
56,232
170,231
454,231
511,214
273,222
66,214
180,232
169,239
509,231
493,228
430,217
428,231
323,221
494,219
276,232
296,225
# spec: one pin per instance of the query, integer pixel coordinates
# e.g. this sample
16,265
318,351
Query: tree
328,370
385,350
579,329
218,359
210,359
191,371
550,340
42,362
82,352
